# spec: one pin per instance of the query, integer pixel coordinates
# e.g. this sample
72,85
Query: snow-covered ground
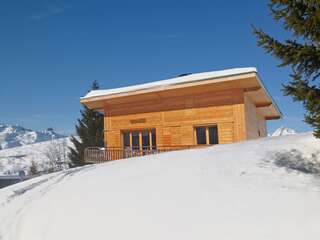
243,191
13,160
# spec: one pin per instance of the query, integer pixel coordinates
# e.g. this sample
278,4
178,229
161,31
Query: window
139,139
135,140
206,135
213,135
126,139
153,139
145,139
201,135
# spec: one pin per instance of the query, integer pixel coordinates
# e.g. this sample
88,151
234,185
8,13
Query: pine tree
301,52
89,129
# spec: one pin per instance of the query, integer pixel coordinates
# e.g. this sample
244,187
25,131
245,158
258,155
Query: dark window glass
154,140
201,135
126,139
213,135
145,139
135,140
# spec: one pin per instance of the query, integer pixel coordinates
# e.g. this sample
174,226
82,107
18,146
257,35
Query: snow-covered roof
196,77
96,99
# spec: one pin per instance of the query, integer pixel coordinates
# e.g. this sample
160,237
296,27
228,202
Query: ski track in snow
45,184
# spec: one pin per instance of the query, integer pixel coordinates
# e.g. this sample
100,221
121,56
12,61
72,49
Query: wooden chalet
190,110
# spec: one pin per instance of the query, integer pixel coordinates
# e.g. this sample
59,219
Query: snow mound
234,191
15,136
283,131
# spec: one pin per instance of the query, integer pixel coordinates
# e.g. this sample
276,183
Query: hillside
243,191
15,136
13,160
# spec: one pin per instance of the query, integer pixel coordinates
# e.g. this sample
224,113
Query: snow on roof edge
172,81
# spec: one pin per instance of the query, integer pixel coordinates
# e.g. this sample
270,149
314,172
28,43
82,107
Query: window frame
207,137
150,131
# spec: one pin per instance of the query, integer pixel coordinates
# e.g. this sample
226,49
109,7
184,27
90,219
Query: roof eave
159,88
269,96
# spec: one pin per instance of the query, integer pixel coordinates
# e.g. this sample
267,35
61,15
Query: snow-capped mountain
13,160
282,131
15,136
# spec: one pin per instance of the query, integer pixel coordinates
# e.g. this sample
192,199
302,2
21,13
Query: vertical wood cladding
255,123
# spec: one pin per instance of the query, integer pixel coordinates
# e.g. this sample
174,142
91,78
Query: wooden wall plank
174,117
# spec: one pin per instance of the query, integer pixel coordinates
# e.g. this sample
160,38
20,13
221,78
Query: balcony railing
99,155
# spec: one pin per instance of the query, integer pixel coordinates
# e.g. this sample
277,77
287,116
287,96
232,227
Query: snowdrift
236,191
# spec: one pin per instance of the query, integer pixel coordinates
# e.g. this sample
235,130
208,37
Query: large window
206,135
139,139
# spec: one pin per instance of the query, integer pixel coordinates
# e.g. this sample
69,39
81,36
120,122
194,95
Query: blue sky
52,50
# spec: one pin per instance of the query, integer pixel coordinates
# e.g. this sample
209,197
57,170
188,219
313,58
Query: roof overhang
247,79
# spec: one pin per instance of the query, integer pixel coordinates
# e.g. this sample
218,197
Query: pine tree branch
304,58
300,17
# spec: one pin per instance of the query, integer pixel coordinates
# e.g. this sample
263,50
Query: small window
213,135
207,135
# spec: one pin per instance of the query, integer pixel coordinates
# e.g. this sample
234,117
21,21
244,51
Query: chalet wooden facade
197,109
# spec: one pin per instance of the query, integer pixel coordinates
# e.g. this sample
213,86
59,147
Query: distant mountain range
282,131
15,136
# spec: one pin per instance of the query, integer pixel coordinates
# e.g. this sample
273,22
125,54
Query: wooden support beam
207,136
272,117
150,139
252,89
130,139
140,140
260,105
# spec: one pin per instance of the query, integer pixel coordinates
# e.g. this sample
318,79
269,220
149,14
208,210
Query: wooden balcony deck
100,155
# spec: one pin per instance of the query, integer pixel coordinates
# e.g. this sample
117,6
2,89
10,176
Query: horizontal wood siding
174,117
226,132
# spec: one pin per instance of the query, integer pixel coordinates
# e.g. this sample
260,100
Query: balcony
100,155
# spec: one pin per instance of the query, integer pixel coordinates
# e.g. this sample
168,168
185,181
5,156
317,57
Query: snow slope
234,191
12,160
283,131
15,135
